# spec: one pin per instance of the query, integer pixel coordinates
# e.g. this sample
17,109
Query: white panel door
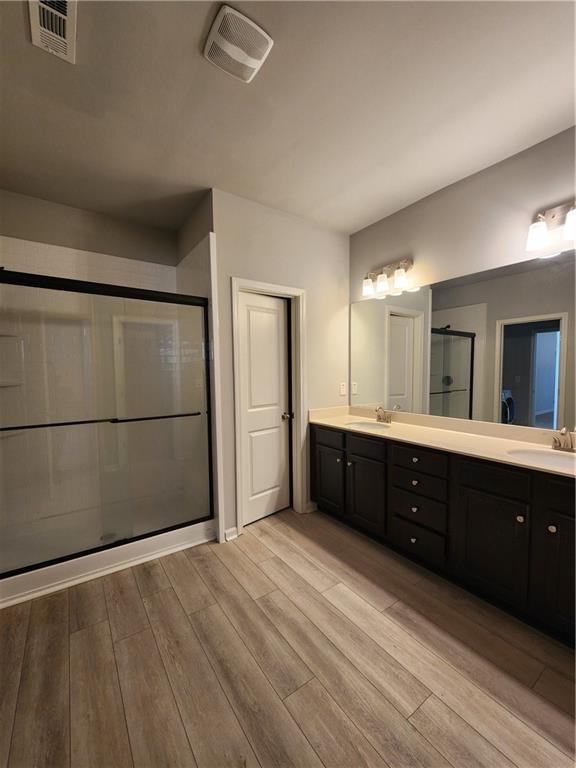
401,362
264,404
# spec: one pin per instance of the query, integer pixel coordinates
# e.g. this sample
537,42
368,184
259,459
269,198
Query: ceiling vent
237,45
53,27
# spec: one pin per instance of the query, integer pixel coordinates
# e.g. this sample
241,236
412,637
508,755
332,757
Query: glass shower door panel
154,475
50,503
47,371
159,363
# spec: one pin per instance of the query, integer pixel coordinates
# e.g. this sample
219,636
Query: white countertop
505,451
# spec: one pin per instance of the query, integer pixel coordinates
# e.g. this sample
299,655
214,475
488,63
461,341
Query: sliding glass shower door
104,417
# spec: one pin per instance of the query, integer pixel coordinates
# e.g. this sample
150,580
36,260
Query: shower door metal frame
472,337
28,279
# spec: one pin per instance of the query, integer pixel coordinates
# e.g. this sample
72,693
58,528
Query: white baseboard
230,534
42,581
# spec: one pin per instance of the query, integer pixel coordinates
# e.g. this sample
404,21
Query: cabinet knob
552,529
338,461
348,463
414,509
415,482
520,518
413,540
415,459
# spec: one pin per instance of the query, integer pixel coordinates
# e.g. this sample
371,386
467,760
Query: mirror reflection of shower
451,372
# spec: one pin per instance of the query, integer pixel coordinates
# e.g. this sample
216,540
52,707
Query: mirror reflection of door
401,369
531,373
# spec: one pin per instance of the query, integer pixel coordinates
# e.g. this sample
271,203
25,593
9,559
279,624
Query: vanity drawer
417,509
495,478
430,462
425,545
423,485
332,438
369,449
554,492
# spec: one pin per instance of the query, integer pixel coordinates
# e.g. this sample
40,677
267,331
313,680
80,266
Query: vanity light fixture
400,279
569,232
389,280
538,235
549,233
382,284
368,288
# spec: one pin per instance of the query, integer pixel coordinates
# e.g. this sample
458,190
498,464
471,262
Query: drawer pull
520,518
415,482
552,529
413,540
348,463
415,459
414,509
338,461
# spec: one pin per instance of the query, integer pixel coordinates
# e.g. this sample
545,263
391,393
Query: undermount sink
546,456
368,424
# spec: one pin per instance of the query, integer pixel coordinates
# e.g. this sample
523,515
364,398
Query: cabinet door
366,493
330,480
552,569
491,545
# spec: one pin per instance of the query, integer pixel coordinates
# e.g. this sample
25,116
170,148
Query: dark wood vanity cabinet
504,532
551,591
350,484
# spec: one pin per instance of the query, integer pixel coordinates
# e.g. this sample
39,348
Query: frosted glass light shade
400,279
367,287
414,289
570,225
538,236
382,284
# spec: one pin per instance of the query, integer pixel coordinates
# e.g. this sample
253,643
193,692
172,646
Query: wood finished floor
301,644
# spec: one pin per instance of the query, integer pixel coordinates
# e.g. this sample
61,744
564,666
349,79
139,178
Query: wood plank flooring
302,643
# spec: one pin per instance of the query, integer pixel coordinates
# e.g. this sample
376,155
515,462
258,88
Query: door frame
500,324
420,362
297,298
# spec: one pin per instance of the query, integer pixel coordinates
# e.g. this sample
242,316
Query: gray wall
29,218
199,224
476,224
545,290
268,245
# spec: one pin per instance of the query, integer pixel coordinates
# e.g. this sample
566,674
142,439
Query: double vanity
494,514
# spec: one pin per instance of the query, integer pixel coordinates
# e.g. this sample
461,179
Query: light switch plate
354,387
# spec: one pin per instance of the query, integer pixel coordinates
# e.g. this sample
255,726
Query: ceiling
360,109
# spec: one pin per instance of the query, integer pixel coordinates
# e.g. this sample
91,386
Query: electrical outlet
354,387
343,388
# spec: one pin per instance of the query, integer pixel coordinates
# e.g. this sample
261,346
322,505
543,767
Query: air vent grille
53,27
236,44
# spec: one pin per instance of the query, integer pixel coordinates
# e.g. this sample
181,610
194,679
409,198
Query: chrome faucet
564,441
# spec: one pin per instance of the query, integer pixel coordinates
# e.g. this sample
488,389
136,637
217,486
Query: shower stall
104,417
451,373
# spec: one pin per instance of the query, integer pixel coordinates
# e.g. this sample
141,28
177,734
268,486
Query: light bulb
570,225
538,236
382,284
367,287
400,279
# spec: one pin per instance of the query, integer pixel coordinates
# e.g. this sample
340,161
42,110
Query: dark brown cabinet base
503,532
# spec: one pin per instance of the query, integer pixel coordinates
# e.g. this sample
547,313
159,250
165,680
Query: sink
546,457
368,424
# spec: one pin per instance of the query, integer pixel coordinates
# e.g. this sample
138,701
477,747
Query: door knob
287,416
552,529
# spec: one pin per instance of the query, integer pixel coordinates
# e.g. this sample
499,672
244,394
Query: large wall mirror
494,346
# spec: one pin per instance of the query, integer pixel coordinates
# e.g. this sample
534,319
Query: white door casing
401,362
264,399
